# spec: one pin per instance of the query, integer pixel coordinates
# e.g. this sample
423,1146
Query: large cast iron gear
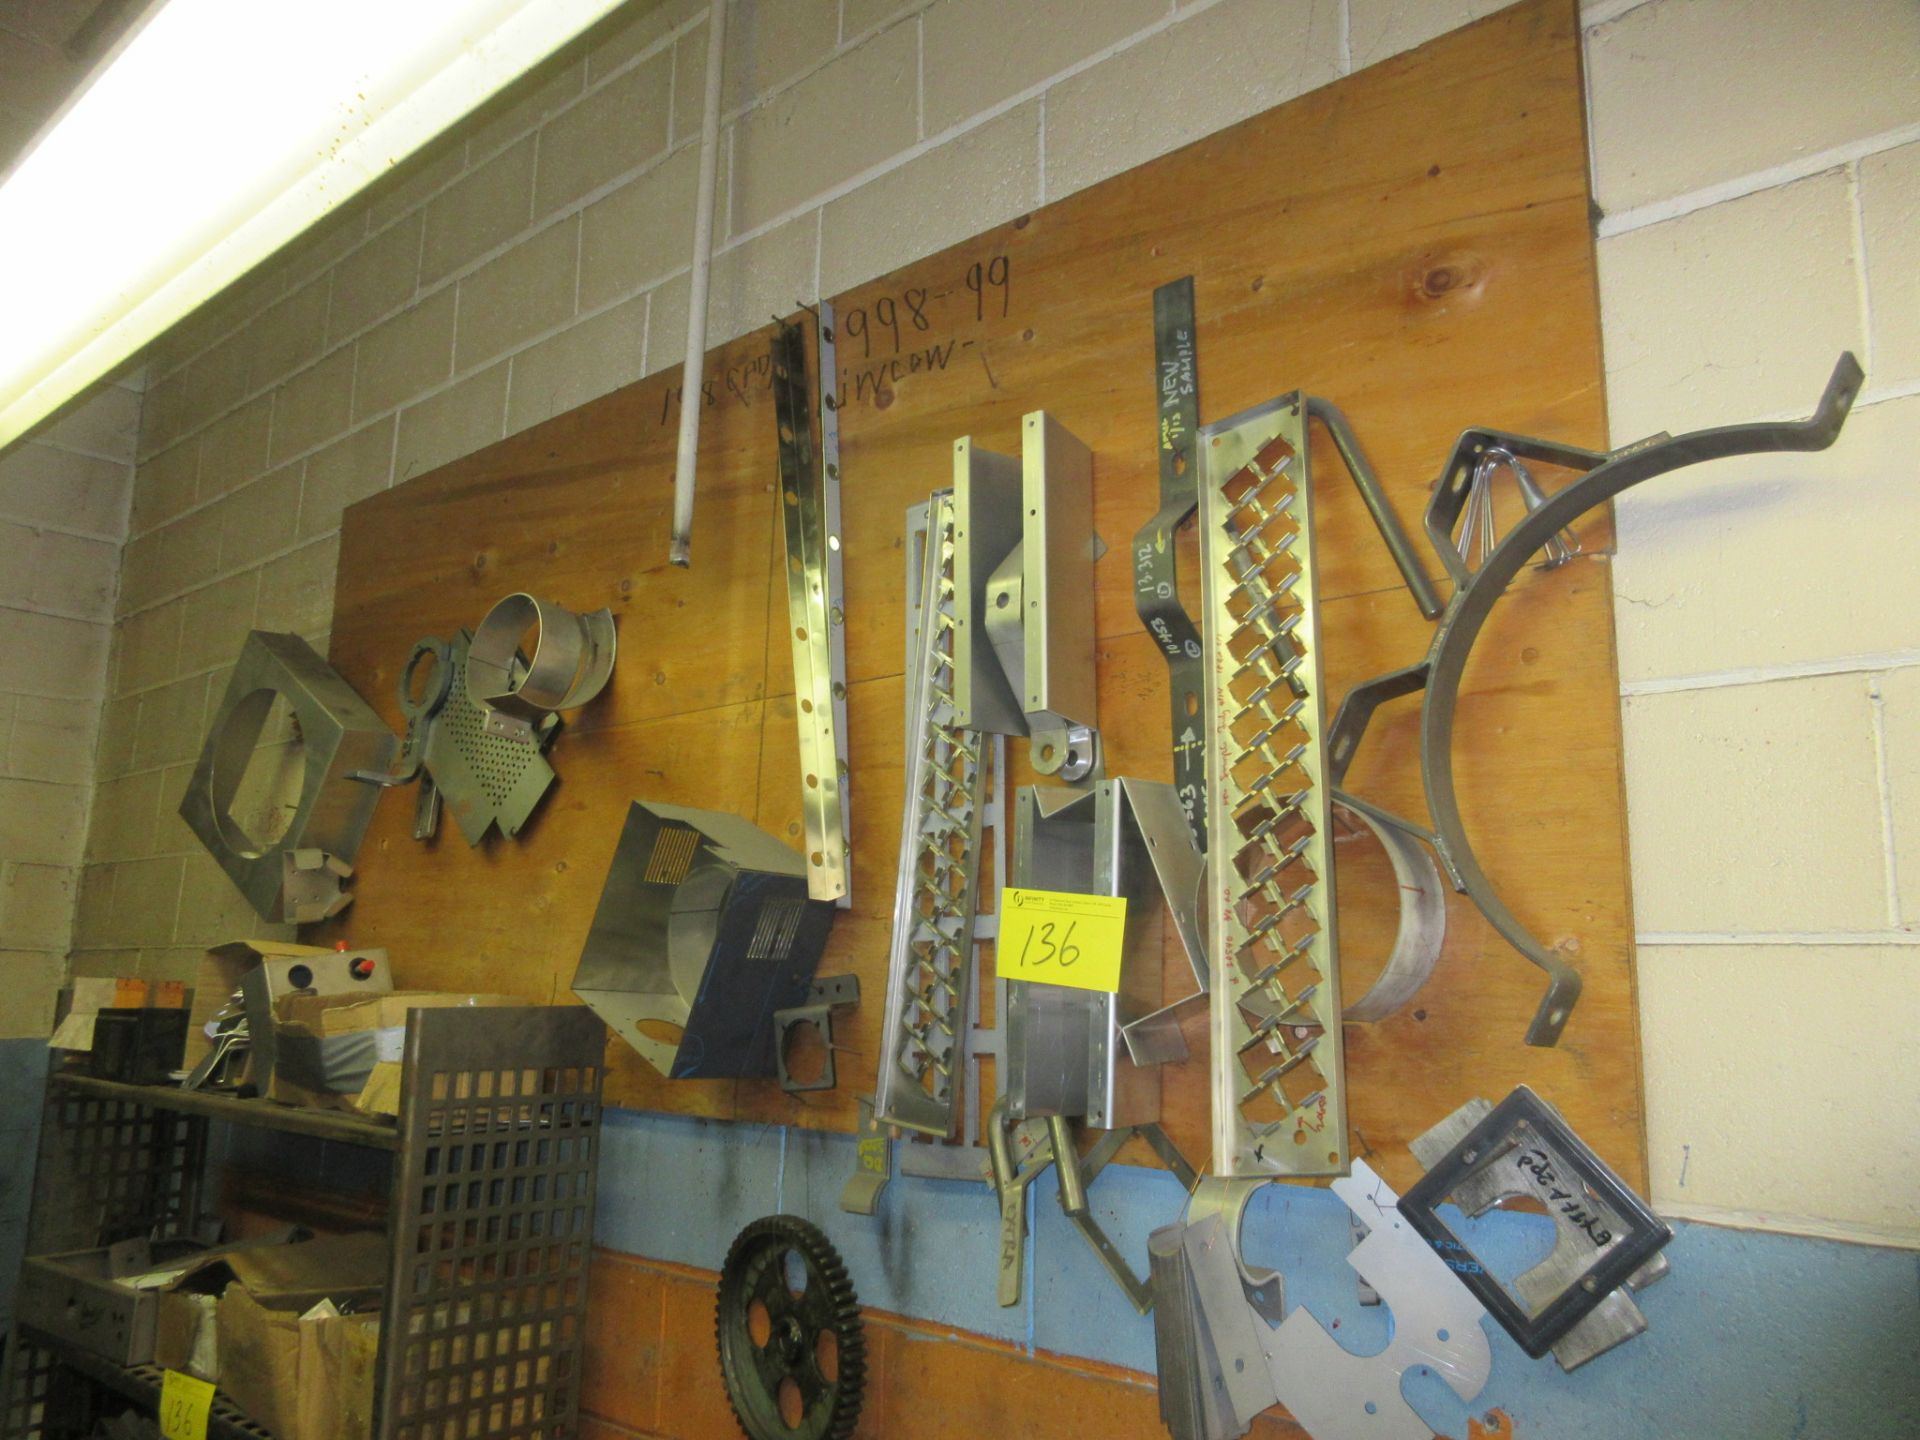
787,1320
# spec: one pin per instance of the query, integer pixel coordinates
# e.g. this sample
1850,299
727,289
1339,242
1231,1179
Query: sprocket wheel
793,1353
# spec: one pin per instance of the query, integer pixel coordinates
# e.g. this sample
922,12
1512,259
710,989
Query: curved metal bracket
1440,673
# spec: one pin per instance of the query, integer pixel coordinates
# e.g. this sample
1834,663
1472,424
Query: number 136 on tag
1062,939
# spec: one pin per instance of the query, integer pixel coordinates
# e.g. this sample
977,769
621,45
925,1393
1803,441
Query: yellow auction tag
184,1402
1061,939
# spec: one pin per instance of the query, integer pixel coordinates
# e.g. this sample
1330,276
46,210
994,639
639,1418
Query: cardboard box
185,1335
216,980
343,1052
287,1355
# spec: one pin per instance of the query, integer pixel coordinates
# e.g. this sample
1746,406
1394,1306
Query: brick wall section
63,516
1758,173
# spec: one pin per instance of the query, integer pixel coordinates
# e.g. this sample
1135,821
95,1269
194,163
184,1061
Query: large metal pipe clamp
572,656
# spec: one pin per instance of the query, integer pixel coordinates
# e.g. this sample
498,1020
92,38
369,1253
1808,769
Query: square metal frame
1646,1232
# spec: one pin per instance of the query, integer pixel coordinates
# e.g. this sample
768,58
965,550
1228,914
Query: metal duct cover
704,925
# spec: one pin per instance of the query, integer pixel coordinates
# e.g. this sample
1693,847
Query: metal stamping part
704,926
1057,564
1423,921
816,616
1544,527
1279,1098
1068,1050
572,658
1023,573
930,955
1334,1394
1156,570
485,777
339,733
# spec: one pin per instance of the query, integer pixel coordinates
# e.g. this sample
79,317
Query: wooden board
1412,242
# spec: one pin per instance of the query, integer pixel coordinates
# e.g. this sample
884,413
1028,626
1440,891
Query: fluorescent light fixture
220,131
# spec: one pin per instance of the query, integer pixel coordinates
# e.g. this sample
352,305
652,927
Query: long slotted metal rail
930,958
1279,1104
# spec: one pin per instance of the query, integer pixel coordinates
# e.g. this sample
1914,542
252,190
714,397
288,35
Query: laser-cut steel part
825,994
816,612
485,778
1092,1054
703,925
1476,590
1156,570
1605,1236
930,954
1023,572
1334,1394
294,879
1278,1083
572,659
1423,921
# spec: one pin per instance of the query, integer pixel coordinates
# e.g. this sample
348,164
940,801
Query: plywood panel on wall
1412,242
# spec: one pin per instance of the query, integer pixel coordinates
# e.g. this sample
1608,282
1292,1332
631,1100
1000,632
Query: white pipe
693,372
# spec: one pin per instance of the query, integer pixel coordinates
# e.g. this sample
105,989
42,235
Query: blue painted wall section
23,1085
1753,1335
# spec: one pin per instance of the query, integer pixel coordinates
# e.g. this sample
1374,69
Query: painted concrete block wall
63,517
1756,169
1758,173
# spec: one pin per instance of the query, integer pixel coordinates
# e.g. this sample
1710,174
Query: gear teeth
746,1394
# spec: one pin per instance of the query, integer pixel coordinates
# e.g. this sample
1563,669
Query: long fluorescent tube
221,130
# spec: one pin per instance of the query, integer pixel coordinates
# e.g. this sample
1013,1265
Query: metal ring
572,657
438,687
1423,921
1474,598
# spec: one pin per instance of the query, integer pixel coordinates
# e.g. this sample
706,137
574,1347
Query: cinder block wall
1759,175
63,516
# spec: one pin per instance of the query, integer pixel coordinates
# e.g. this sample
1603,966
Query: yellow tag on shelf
1061,939
184,1402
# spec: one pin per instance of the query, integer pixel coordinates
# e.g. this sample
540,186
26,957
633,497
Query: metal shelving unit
490,1224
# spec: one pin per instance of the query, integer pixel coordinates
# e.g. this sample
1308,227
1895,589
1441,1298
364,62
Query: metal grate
114,1169
930,960
493,1225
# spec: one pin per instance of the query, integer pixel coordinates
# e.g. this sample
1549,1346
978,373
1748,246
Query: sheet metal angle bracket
1438,676
816,606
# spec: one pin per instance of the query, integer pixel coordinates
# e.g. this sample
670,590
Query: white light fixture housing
221,130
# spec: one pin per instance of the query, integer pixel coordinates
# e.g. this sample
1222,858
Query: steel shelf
263,1114
141,1384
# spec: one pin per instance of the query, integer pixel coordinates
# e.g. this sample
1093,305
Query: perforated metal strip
930,958
1279,1104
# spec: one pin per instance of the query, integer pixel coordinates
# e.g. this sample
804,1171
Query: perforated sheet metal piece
930,959
484,778
1279,1102
492,1225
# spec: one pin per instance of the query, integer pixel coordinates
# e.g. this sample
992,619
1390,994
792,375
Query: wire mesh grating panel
487,1316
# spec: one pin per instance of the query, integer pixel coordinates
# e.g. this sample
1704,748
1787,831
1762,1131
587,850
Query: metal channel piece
930,955
1156,573
1072,1052
1057,593
1279,1097
816,616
